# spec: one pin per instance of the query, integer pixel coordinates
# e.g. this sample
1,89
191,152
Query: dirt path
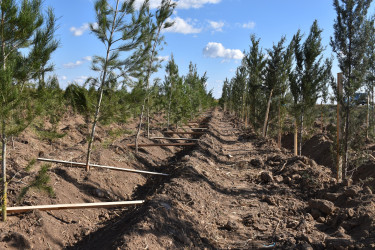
235,190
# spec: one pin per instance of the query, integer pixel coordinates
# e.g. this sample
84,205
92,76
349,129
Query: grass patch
50,135
30,165
41,183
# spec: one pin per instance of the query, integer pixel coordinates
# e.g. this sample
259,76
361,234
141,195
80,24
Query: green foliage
350,42
41,183
30,165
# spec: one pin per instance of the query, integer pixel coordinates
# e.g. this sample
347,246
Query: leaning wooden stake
14,210
183,133
172,138
101,166
162,145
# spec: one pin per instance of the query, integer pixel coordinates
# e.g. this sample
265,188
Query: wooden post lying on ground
77,164
172,138
162,145
194,128
14,210
183,133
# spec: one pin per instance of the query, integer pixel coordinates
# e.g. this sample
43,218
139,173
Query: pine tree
255,63
277,70
21,27
350,42
310,75
153,40
119,29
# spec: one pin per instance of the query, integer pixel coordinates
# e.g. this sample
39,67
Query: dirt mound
318,148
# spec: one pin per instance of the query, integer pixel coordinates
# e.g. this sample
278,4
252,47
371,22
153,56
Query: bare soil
233,190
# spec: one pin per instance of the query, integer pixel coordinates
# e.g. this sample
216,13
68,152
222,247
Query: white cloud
72,64
80,79
163,58
87,58
215,50
63,78
217,26
181,4
80,30
249,25
182,26
196,4
77,63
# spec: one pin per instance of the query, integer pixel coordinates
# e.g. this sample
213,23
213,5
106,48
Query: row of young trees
288,79
123,87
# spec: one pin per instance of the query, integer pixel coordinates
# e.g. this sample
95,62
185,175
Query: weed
40,182
30,165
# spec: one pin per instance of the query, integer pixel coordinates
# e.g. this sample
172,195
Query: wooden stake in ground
161,145
15,210
183,133
101,166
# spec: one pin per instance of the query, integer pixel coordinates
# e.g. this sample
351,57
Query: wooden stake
172,138
162,145
101,166
14,210
194,128
183,133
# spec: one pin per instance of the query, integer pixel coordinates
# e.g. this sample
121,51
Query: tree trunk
169,108
368,116
295,138
4,176
92,136
321,117
140,125
279,126
300,134
346,140
148,117
267,113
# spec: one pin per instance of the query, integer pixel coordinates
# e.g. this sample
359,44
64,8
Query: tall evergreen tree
22,26
119,29
277,70
350,42
153,40
310,75
255,63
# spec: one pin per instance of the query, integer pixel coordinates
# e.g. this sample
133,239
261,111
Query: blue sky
210,33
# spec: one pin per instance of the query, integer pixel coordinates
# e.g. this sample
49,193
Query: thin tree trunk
321,117
92,135
346,140
295,138
4,175
169,108
148,116
368,116
139,126
279,126
301,133
267,113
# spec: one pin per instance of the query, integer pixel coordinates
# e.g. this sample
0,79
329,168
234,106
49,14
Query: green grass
41,183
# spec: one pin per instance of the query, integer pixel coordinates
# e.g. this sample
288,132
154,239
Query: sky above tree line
213,34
